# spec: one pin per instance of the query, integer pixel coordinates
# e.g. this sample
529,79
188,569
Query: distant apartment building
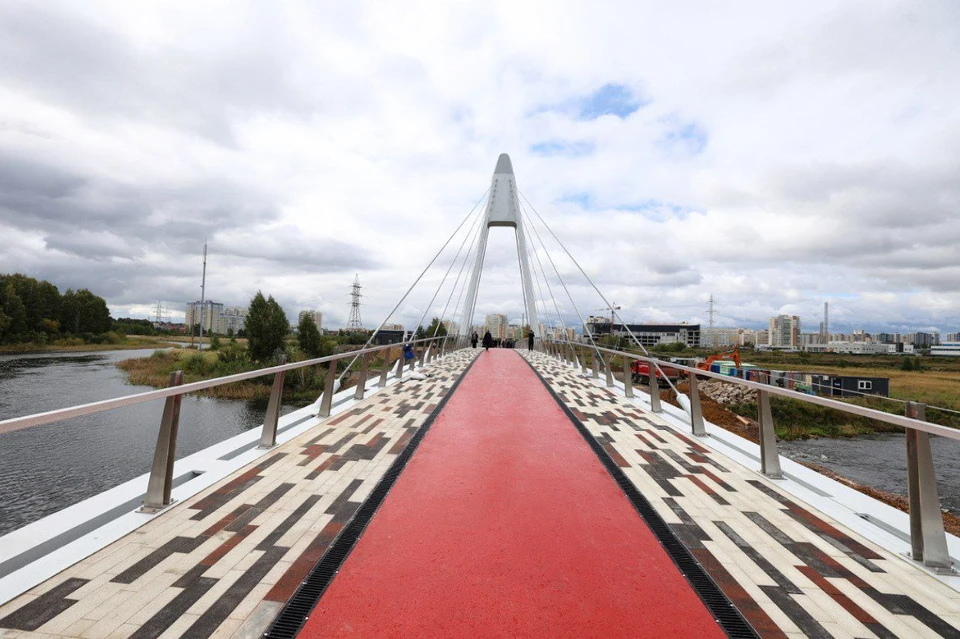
951,338
924,340
810,339
559,332
209,313
316,316
720,337
784,331
496,323
232,320
750,337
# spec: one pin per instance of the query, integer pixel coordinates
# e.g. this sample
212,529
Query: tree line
35,311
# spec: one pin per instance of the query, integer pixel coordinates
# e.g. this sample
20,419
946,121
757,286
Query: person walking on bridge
487,340
530,337
474,339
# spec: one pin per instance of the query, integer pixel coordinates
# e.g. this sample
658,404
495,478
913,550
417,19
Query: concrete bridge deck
224,562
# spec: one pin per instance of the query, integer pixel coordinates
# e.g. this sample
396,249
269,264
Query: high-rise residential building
497,325
209,312
951,338
316,316
925,340
784,331
232,319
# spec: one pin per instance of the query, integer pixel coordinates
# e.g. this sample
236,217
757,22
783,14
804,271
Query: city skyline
775,157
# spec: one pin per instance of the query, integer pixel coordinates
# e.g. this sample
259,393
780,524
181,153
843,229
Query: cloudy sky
773,154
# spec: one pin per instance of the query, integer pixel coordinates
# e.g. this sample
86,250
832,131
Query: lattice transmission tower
711,311
354,321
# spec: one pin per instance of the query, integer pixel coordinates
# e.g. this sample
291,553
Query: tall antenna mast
711,311
354,321
203,291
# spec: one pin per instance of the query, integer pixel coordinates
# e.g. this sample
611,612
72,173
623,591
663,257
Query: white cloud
783,155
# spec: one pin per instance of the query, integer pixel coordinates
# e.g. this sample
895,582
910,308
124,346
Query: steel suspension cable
466,258
564,285
602,296
442,281
543,273
412,286
543,298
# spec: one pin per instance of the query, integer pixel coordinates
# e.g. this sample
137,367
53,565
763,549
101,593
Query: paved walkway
227,560
224,562
505,523
790,570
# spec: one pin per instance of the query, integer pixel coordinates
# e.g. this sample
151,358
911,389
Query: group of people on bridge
489,341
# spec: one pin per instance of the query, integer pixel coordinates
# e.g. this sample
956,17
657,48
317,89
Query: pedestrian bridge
506,494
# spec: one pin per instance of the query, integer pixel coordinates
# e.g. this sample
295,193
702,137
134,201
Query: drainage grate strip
728,617
296,611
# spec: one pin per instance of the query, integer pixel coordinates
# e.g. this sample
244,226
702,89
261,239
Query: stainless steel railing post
696,414
268,436
653,387
362,381
627,377
385,369
596,365
928,541
160,484
769,454
609,371
326,402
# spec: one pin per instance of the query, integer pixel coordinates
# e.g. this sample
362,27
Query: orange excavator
725,356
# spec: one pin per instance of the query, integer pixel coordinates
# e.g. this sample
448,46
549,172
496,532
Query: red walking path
504,522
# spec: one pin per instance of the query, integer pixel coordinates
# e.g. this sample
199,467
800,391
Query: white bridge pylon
503,209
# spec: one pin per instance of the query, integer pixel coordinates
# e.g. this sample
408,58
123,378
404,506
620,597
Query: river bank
77,345
301,387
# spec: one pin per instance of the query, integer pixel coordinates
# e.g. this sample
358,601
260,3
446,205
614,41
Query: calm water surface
880,461
47,468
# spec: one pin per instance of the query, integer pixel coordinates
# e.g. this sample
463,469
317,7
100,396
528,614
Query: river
880,461
47,468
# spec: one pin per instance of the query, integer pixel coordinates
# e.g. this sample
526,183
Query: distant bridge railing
160,484
927,537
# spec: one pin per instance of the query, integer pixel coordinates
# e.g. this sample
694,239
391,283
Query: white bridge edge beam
503,209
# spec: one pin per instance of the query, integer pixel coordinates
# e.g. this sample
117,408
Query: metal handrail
160,481
49,417
928,539
863,411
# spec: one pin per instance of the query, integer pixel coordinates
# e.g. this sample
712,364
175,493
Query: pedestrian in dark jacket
474,339
530,341
487,340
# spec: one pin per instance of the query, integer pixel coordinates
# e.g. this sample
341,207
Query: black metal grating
727,615
297,610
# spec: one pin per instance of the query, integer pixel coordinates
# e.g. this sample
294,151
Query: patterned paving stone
228,558
790,570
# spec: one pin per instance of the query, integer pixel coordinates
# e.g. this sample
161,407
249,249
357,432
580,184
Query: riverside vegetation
268,337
